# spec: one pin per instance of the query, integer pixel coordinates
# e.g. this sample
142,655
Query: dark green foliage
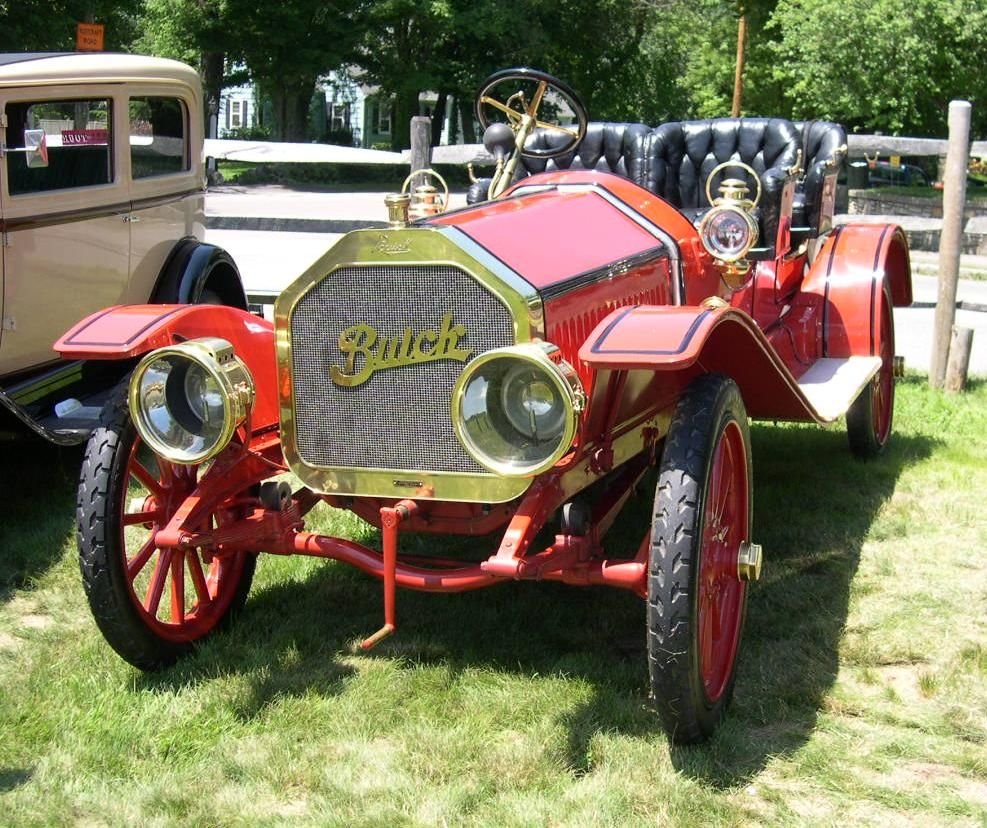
33,26
890,65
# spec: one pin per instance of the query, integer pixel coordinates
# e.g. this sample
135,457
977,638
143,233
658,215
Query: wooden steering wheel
515,96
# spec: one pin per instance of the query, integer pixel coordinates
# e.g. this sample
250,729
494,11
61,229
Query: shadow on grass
11,778
814,506
37,511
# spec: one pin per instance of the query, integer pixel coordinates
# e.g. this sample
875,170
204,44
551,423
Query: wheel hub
749,559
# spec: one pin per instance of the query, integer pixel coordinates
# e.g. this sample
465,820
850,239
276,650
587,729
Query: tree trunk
439,118
454,121
405,107
738,75
291,103
211,69
466,113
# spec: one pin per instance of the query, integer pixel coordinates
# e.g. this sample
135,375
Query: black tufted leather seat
674,160
823,145
681,155
608,147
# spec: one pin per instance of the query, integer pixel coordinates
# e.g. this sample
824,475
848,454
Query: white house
349,105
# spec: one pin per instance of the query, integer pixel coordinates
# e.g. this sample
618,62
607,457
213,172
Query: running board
831,385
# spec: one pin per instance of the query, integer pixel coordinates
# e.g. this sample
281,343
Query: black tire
690,580
111,496
870,418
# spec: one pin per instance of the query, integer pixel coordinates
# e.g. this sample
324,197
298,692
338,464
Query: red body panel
848,279
641,201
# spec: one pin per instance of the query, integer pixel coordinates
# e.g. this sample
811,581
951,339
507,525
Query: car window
158,137
77,133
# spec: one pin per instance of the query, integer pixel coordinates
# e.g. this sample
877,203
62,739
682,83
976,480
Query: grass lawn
861,696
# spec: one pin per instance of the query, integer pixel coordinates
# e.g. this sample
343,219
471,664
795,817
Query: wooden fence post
959,359
421,147
953,198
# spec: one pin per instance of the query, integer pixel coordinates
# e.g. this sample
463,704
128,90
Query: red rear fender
849,275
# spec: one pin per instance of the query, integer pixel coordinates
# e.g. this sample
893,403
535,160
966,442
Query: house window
77,135
384,118
339,116
236,114
158,137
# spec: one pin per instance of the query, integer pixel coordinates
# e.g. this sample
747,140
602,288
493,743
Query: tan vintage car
101,204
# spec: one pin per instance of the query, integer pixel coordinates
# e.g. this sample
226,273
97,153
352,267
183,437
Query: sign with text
84,137
89,37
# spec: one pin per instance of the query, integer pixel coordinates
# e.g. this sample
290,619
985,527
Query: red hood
550,237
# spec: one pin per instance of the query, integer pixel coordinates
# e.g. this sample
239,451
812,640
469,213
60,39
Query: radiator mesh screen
399,418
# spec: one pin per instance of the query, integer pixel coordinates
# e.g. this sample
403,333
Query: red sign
89,37
79,137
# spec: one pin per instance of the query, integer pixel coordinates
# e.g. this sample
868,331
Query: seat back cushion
608,147
823,143
683,154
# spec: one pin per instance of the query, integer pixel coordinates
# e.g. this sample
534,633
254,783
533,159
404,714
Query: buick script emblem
368,352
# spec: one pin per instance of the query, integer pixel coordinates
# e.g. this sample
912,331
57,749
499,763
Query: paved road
272,257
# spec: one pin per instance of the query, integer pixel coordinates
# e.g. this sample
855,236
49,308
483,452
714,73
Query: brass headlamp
424,201
188,399
729,230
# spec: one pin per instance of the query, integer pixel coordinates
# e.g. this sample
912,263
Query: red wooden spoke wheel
696,598
870,417
721,593
151,604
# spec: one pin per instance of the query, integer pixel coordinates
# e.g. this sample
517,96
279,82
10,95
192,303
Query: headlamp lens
728,235
186,404
514,410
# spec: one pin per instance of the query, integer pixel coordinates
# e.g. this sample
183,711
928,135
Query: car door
66,225
3,219
165,170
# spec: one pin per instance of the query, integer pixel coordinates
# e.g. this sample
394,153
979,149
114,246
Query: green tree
595,47
284,47
397,54
287,46
890,65
34,26
194,31
697,41
451,46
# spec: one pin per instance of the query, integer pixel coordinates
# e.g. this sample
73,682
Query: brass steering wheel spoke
513,114
536,99
558,128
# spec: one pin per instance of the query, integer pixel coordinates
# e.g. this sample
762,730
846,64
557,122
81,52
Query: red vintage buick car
619,298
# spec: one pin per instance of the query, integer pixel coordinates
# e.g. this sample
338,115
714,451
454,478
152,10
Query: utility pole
738,75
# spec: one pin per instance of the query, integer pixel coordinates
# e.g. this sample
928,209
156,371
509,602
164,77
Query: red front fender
699,340
129,331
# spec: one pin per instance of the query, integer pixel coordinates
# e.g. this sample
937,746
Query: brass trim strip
420,245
